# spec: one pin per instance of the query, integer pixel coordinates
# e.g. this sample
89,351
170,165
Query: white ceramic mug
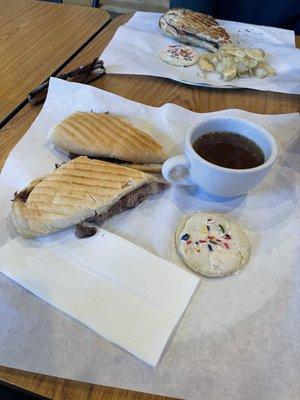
213,179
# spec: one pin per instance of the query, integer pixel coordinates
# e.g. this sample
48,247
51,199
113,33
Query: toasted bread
150,168
76,191
105,135
193,28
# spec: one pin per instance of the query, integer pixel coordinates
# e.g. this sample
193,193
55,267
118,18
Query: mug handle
177,162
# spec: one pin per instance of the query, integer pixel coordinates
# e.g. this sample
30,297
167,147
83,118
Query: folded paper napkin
122,292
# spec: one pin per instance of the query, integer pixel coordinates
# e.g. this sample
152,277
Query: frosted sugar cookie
179,55
212,245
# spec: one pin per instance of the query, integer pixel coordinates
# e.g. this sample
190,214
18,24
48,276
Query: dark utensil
84,74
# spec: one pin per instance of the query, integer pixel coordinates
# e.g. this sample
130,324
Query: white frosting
179,55
212,245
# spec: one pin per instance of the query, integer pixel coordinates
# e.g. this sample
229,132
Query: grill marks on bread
204,23
105,135
193,28
196,23
89,184
74,192
126,132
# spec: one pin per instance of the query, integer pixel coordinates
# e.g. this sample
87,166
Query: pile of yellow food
231,62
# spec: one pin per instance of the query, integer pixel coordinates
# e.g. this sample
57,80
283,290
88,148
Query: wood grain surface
36,39
155,92
64,389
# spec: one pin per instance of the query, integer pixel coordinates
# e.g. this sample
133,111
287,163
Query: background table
37,38
155,92
152,91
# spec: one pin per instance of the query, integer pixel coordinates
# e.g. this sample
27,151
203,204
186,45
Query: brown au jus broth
229,150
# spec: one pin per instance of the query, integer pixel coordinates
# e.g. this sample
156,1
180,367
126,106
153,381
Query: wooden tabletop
36,39
152,91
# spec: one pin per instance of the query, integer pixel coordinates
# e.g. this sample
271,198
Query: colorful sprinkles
211,241
177,51
185,237
222,228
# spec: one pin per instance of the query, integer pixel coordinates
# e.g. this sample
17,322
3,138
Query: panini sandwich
105,136
79,190
193,28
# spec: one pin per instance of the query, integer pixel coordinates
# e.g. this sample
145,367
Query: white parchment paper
239,338
136,45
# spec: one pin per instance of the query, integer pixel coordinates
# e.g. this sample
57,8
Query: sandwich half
193,28
106,136
79,190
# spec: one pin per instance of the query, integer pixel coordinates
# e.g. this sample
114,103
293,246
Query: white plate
201,84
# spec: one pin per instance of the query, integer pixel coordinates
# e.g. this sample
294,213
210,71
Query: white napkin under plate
136,45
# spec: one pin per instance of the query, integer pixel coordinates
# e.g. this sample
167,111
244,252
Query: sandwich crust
105,135
150,168
74,192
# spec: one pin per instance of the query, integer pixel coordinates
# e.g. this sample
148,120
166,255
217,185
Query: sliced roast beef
130,200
